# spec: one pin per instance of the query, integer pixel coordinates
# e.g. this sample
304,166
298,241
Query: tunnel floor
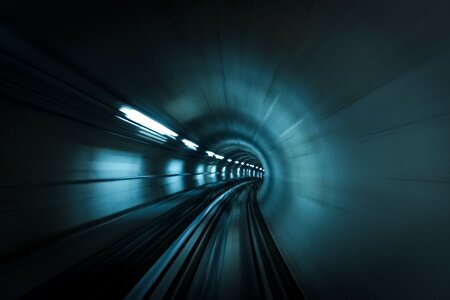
206,243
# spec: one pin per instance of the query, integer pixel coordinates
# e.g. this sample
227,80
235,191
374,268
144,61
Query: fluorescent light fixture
212,154
236,162
242,163
229,160
147,122
149,135
247,164
190,144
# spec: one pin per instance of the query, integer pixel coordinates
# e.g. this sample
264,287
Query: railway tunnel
225,149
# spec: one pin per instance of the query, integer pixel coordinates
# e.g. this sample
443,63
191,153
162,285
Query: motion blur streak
225,149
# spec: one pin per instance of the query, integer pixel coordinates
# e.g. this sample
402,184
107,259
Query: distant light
236,162
242,163
190,144
247,165
218,156
212,154
229,160
147,122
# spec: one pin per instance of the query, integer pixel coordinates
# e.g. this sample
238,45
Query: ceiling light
147,122
190,144
218,156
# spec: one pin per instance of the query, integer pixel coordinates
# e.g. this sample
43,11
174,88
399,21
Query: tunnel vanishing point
225,149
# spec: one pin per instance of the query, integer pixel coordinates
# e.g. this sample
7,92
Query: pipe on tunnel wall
345,104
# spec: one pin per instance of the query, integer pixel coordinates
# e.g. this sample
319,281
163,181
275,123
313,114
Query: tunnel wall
368,206
59,175
347,102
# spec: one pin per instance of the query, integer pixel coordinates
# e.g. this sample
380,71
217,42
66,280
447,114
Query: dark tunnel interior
225,149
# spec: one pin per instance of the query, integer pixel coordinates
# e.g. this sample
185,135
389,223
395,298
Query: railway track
214,246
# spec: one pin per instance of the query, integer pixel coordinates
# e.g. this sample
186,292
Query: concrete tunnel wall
345,104
76,174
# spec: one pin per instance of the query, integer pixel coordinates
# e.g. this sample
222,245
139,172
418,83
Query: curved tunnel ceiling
337,100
